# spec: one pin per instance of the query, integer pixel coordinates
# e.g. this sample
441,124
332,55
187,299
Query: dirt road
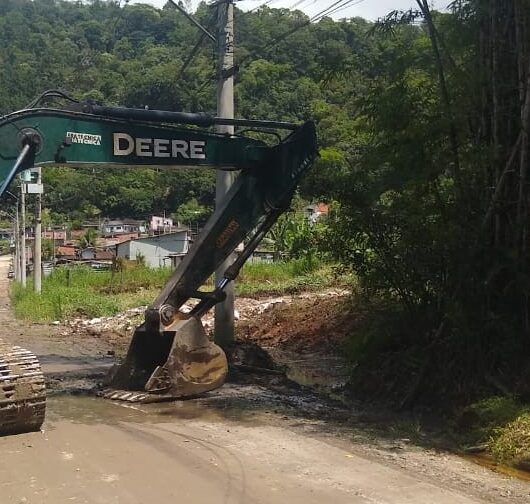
232,447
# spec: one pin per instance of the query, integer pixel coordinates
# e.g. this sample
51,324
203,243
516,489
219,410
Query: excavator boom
170,355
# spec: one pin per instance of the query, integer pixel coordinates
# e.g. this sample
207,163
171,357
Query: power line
264,4
192,20
315,18
324,12
335,7
350,3
297,4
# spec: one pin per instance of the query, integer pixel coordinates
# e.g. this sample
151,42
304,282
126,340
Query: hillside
134,55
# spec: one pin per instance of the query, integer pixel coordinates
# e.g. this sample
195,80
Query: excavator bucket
179,363
22,391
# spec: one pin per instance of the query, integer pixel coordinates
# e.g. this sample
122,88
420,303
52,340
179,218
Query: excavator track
22,391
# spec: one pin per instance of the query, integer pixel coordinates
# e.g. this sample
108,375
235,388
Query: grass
501,425
285,277
511,443
81,292
78,291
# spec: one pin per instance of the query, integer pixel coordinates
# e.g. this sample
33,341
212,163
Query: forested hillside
423,122
133,55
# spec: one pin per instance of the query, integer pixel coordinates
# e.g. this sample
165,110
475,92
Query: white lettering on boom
125,145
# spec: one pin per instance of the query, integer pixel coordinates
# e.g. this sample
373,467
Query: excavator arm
170,355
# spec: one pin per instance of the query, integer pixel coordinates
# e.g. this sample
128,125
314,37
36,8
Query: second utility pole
37,251
23,259
224,312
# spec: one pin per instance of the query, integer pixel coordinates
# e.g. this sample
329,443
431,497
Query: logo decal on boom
83,138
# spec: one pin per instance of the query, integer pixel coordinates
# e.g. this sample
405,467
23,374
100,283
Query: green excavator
170,355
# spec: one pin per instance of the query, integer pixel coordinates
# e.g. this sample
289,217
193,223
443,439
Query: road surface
96,451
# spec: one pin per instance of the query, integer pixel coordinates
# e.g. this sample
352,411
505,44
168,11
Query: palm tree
88,239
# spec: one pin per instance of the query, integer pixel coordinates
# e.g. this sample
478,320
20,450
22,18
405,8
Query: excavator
170,355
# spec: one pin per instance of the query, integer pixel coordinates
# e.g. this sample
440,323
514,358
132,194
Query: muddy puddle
325,372
242,403
72,388
94,410
488,462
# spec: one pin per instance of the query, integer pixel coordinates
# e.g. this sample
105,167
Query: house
97,254
112,241
76,234
159,224
66,252
58,235
117,227
159,250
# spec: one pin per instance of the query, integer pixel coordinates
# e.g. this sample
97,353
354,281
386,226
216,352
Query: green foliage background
423,122
133,55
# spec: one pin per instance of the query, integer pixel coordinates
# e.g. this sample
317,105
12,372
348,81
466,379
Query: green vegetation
286,277
500,425
79,291
133,54
5,246
433,215
511,443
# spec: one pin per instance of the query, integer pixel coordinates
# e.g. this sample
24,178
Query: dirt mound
303,324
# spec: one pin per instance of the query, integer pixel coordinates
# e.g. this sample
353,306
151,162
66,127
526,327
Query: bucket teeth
132,397
22,391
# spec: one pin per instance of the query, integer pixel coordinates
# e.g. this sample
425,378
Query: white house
113,227
159,224
159,250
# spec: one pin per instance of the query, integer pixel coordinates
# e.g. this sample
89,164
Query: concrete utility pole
23,233
37,251
16,258
224,312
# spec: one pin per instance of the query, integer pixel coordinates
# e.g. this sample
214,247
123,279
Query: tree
192,212
88,239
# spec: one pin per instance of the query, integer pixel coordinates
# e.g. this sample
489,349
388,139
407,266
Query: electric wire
195,49
324,12
264,4
297,4
334,7
350,3
317,17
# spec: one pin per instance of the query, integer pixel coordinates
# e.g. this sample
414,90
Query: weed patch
287,277
501,425
79,291
511,444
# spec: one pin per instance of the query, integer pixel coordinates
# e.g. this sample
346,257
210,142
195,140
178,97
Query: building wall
160,223
155,249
